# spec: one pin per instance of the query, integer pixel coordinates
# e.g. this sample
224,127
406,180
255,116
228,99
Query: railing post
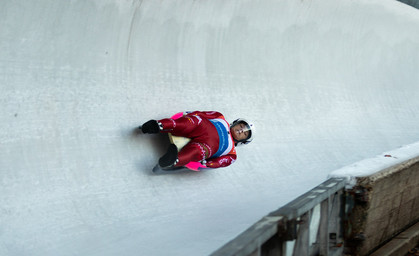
323,234
302,245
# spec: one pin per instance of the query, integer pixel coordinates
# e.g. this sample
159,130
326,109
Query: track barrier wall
386,203
352,215
413,3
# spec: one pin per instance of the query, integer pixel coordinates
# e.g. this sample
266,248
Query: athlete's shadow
157,144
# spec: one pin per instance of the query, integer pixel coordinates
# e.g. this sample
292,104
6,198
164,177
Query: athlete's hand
194,166
177,116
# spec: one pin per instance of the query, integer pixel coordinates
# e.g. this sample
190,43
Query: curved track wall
326,83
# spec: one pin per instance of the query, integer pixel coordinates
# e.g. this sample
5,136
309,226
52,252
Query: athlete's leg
192,152
183,126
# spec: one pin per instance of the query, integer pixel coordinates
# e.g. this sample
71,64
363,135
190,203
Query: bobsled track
326,83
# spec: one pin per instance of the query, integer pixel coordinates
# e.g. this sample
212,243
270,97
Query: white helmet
250,128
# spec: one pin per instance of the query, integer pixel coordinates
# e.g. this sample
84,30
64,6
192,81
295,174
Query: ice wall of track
327,83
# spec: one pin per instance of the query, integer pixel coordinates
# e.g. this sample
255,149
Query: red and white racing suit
210,136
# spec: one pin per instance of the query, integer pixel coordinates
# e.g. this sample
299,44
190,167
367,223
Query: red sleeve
222,161
206,114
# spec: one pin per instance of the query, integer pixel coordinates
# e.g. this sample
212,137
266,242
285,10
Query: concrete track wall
414,3
385,193
388,203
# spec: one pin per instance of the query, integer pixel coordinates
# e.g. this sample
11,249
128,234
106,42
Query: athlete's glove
177,116
194,166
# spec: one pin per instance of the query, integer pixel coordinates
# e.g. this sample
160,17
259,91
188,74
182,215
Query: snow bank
380,164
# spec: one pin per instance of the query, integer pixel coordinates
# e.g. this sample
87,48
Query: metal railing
312,224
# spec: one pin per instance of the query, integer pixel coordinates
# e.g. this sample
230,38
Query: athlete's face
240,131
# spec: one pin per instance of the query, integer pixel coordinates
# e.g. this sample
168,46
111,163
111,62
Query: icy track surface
327,83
